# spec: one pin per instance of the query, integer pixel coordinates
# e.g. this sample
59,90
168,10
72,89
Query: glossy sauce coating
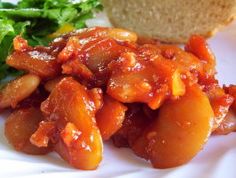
19,127
110,117
100,83
77,138
18,90
177,135
28,58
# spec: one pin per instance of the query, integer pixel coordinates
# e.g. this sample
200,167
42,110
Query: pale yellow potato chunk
179,132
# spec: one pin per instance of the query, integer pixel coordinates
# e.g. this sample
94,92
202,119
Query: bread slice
171,20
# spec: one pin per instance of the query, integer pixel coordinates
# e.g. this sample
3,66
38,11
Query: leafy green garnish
35,20
8,30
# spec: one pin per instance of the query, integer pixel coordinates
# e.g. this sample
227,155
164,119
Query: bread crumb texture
169,20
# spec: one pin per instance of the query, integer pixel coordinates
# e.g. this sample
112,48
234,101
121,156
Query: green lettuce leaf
36,19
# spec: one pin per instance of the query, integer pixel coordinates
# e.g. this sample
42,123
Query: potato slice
180,130
110,117
73,108
19,127
145,78
51,84
17,90
36,61
122,35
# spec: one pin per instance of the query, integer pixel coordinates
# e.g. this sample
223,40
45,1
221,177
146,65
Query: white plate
217,159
